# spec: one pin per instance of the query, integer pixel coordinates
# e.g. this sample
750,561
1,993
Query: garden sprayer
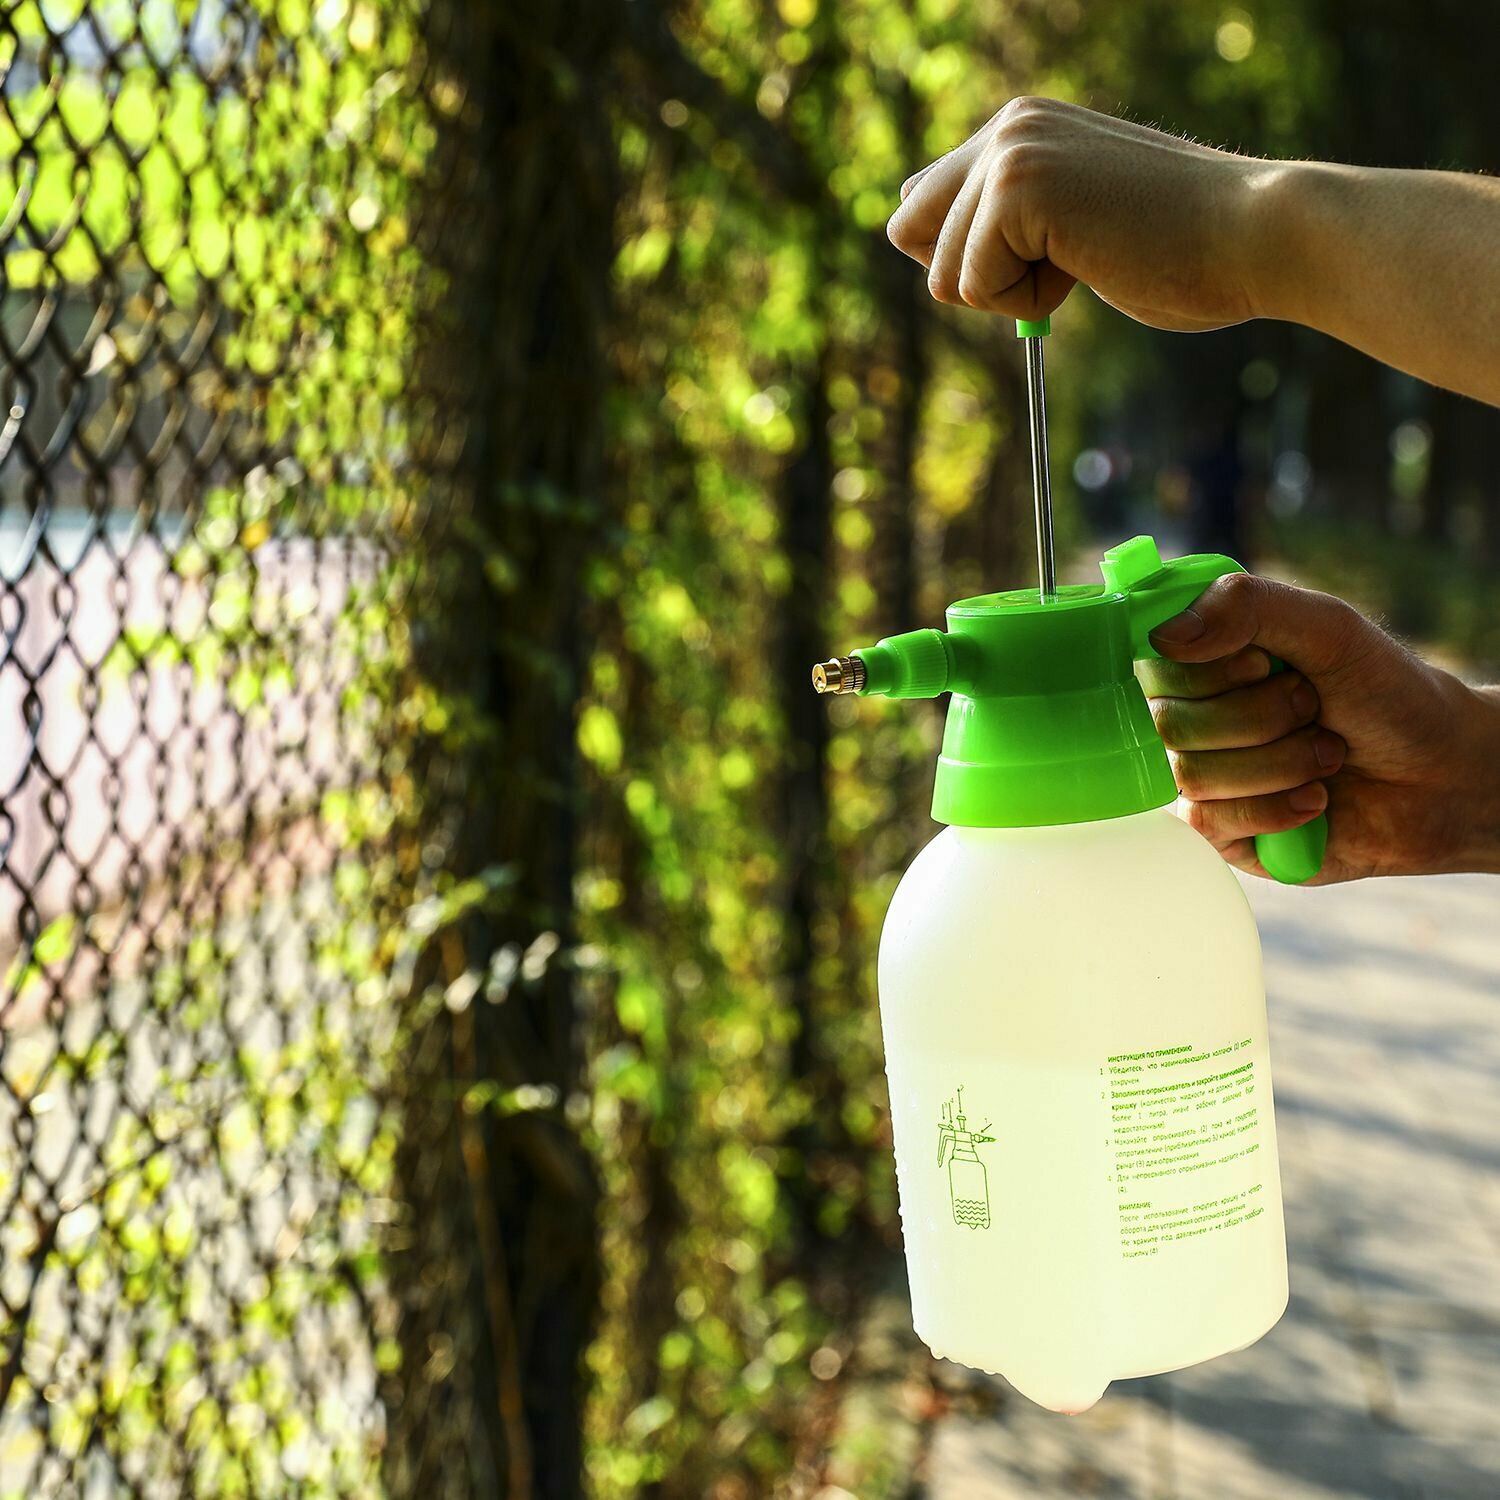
1074,965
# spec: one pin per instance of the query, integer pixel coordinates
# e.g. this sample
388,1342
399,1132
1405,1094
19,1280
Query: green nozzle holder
1047,723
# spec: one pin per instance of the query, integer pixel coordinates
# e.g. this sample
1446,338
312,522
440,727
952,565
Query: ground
1383,1378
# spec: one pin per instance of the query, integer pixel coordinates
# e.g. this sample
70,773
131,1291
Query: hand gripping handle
1157,591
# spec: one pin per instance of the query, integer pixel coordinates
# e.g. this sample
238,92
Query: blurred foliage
803,453
739,1123
211,299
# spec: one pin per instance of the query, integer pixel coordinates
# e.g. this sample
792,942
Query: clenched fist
1047,194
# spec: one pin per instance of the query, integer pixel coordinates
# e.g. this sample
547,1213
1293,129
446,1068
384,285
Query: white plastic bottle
1073,1011
1094,990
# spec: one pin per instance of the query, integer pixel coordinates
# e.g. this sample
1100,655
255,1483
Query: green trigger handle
1156,591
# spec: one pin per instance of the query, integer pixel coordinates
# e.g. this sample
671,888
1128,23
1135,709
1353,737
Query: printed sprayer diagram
967,1182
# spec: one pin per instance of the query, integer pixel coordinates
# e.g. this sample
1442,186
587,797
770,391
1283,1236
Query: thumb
1311,631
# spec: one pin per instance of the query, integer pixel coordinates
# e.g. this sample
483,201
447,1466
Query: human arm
1182,236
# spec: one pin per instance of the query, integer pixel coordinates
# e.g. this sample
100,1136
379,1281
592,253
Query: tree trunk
807,519
500,1274
905,301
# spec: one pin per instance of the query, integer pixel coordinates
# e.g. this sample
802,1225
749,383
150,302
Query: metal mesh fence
215,469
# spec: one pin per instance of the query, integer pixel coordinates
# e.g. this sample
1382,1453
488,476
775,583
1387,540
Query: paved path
1383,1379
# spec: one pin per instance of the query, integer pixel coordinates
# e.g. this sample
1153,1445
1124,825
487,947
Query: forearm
1473,815
1401,264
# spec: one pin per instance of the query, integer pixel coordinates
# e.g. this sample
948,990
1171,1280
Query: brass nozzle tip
844,674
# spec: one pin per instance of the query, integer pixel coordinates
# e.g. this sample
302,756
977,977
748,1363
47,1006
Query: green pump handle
1157,591
1042,727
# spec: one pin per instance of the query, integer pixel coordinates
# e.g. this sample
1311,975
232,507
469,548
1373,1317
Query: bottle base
1083,1391
1261,1330
1070,1401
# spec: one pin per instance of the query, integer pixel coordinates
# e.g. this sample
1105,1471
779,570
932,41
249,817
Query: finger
1246,716
1315,631
1213,775
1241,854
998,273
1163,678
916,177
969,149
948,255
1227,820
914,227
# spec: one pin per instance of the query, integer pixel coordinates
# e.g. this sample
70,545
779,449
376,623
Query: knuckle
1340,612
942,287
1193,778
1166,714
1346,624
1251,664
1166,678
1017,164
1241,590
971,288
1022,107
899,231
1152,677
1238,602
1201,817
1298,698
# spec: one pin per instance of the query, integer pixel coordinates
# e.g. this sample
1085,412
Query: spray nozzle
917,664
842,674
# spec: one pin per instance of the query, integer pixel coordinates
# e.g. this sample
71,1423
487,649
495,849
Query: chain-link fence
218,477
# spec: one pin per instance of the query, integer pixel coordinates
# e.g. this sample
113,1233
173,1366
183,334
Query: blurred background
438,1045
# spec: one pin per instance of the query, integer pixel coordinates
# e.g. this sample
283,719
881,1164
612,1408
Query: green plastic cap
1047,723
1028,329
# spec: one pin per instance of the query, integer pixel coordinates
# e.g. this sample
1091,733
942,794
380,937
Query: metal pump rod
1041,480
847,674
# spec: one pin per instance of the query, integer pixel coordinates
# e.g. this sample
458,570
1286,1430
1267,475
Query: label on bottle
1185,1143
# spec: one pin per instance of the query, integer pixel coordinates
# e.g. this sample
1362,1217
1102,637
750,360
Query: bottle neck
1034,760
1075,833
